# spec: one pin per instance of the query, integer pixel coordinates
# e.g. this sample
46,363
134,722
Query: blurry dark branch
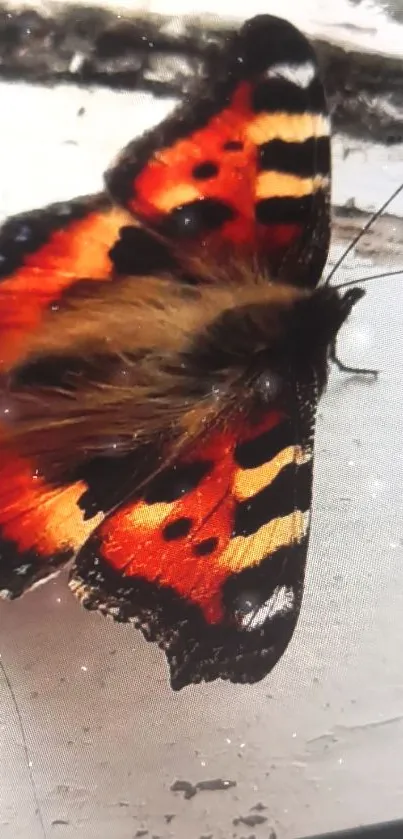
92,46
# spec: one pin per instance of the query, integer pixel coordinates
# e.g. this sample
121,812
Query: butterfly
163,347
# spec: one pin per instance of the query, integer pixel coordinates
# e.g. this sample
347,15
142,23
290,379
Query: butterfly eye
269,386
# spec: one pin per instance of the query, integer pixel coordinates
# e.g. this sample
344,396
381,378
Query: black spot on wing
276,500
304,159
177,529
206,170
176,481
206,547
284,210
114,479
138,252
233,145
264,447
278,94
196,217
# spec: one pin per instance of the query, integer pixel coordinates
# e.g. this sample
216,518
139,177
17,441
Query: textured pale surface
320,741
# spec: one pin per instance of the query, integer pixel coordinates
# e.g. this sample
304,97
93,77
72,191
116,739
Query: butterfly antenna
361,233
371,277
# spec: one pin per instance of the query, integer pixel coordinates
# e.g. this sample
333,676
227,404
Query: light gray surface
320,741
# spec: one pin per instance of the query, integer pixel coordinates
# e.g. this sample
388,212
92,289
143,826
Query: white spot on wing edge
298,74
280,602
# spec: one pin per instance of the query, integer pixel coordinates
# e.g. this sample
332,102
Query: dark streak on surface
212,785
250,821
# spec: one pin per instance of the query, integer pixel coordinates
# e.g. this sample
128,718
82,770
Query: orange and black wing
210,561
42,254
244,164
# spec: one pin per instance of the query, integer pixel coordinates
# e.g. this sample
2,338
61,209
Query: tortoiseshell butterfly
163,347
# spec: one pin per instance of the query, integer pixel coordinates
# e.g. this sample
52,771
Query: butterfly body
159,390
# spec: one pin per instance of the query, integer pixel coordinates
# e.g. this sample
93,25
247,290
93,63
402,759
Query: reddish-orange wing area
246,161
41,527
209,517
42,254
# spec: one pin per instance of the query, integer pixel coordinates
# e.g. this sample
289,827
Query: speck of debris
123,804
141,832
189,790
169,817
62,789
250,821
259,806
206,836
57,822
215,784
81,111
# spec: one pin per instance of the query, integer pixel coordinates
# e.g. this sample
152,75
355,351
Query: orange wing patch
246,161
220,163
41,526
77,248
191,535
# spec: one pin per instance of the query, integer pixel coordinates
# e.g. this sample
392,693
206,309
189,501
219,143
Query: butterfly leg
344,368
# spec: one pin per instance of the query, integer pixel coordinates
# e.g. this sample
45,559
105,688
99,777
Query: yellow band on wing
278,184
246,551
180,194
291,128
248,482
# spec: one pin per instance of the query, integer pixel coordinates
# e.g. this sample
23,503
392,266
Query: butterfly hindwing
246,161
210,560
